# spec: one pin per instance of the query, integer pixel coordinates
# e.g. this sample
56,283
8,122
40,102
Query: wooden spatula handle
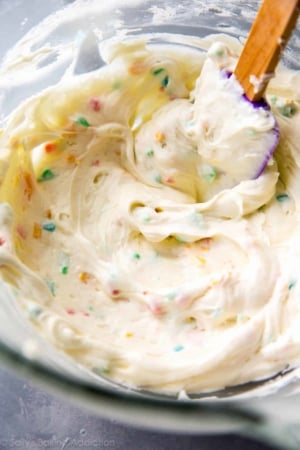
268,36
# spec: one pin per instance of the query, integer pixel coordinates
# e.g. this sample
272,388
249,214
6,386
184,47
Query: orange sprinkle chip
50,147
190,319
137,68
84,277
160,137
71,159
48,214
128,335
37,231
29,187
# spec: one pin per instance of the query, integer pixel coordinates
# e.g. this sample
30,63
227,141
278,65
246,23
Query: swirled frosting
126,244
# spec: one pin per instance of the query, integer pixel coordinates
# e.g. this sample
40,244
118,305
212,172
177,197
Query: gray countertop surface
33,419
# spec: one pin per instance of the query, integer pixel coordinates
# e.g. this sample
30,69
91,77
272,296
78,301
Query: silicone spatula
268,36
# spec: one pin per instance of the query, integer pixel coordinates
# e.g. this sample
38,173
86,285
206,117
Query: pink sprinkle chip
21,231
157,309
95,104
169,180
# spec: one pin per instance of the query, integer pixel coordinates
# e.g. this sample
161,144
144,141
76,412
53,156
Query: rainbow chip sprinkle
292,284
51,286
169,180
46,175
288,110
137,68
48,214
201,260
49,226
83,122
205,243
165,82
84,277
95,104
29,188
157,178
50,147
71,158
282,197
37,231
160,137
178,348
157,71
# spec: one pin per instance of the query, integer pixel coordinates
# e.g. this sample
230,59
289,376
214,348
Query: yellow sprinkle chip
201,260
37,231
84,277
71,159
160,137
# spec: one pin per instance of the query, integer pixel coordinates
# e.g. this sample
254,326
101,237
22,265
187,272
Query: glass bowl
265,409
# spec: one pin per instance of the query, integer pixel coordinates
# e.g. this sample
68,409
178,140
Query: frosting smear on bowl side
150,234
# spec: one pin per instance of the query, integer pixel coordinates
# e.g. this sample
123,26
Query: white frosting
130,253
259,83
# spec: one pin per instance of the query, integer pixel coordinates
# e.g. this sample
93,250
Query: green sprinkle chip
83,122
287,110
282,197
46,175
51,286
165,81
150,153
292,284
178,348
49,226
156,72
